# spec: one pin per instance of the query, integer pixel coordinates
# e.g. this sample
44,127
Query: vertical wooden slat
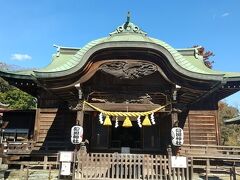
134,167
183,174
97,165
117,170
106,165
152,169
130,166
125,166
173,173
138,167
147,166
121,165
88,165
161,167
80,166
78,163
143,167
156,167
178,173
109,165
207,168
165,167
85,164
93,168
191,167
113,166
187,171
169,167
91,165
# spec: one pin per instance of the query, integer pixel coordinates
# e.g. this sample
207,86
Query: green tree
230,134
4,86
16,98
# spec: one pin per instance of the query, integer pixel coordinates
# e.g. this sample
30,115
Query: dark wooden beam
124,107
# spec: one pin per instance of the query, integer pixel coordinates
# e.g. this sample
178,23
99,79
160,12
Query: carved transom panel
128,70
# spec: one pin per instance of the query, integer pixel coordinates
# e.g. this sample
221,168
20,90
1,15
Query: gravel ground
36,174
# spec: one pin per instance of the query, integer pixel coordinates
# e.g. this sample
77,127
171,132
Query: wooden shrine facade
127,72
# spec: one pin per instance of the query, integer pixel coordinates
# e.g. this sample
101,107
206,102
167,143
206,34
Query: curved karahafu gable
127,38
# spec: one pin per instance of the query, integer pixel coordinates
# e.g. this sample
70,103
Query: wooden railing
139,166
127,166
21,147
201,159
47,165
209,150
209,159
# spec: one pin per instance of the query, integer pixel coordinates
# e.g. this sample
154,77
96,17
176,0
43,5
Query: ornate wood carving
128,70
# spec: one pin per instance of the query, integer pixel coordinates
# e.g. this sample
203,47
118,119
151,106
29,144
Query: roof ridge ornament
128,17
128,27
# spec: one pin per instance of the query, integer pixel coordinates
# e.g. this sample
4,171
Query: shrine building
127,90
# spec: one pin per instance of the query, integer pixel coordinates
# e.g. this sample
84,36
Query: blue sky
28,29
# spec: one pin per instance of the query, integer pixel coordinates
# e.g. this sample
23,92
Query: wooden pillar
169,150
79,119
45,162
36,125
80,105
174,116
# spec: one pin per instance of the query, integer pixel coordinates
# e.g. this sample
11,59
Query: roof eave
13,75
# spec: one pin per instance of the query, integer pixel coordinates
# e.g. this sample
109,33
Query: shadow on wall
54,129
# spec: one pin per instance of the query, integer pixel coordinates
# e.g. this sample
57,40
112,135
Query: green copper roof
65,62
60,61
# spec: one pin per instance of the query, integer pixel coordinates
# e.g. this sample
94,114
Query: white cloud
21,57
225,14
